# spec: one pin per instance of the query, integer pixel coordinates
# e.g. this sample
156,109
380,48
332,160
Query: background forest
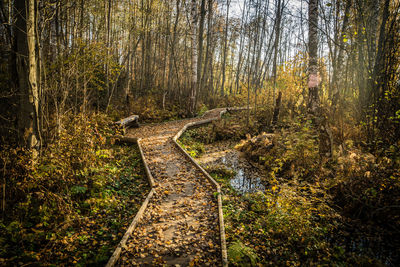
69,69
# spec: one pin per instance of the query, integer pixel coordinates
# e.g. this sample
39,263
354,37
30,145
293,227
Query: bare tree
338,60
200,50
313,104
228,3
278,19
27,74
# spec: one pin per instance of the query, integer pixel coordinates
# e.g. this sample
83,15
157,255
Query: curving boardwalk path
180,225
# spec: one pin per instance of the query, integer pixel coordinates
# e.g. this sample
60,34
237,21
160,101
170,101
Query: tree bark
278,20
314,108
208,46
172,46
378,69
192,102
27,75
337,70
228,3
241,49
107,41
313,80
200,50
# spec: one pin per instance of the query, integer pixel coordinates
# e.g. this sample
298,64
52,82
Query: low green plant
241,255
192,147
203,109
223,176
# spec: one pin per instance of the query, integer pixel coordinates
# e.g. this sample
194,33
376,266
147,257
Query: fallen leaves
181,222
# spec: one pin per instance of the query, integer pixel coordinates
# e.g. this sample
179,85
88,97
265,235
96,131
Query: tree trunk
172,47
278,20
361,73
27,76
313,105
208,46
337,70
379,71
228,3
166,42
241,49
200,50
276,110
192,102
107,41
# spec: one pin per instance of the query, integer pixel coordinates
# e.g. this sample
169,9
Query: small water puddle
245,184
247,177
245,180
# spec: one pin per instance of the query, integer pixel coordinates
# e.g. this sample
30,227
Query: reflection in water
245,183
246,180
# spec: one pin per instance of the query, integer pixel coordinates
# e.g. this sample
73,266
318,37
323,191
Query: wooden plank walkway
180,226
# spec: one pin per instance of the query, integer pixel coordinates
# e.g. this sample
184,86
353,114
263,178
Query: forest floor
101,213
180,225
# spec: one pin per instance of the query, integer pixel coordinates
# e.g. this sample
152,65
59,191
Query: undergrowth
313,213
194,148
74,204
233,126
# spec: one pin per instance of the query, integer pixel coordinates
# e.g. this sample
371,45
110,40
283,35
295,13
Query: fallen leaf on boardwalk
181,226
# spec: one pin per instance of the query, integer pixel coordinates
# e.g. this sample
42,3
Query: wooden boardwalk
180,226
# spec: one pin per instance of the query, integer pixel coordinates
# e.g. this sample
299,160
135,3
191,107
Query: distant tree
200,51
228,3
193,85
278,20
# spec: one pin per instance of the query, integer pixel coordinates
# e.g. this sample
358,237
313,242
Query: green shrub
191,145
241,255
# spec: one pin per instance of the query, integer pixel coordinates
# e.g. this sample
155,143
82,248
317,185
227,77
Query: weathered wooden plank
114,258
131,121
224,254
117,252
124,139
120,139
